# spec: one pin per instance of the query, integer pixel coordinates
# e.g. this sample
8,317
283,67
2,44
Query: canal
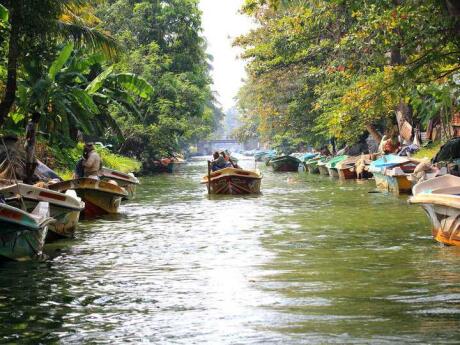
311,261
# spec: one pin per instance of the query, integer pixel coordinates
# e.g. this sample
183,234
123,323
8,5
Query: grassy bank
428,152
64,160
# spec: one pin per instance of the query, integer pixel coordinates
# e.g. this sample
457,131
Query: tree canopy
322,69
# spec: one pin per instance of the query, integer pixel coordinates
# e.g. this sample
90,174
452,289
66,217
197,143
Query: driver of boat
228,159
91,162
218,162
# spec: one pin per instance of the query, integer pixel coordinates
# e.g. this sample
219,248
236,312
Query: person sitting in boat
91,162
219,162
228,159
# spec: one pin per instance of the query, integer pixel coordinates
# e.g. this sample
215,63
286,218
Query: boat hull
285,164
235,186
333,172
393,184
312,168
19,244
100,197
445,223
233,181
323,170
347,174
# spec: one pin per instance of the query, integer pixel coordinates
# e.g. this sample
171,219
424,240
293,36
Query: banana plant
73,97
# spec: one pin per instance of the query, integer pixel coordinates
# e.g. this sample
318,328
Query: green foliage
322,69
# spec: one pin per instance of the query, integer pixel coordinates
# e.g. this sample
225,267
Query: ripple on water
310,261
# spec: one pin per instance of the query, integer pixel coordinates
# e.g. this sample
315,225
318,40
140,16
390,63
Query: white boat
22,234
440,198
64,208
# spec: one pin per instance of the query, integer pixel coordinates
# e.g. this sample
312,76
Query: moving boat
126,181
331,165
64,208
392,173
22,234
100,197
285,163
440,198
233,181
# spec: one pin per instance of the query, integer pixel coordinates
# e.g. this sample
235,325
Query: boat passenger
219,162
91,161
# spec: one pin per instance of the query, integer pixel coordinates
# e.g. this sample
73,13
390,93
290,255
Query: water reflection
310,261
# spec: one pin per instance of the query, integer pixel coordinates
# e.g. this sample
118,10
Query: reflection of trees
33,300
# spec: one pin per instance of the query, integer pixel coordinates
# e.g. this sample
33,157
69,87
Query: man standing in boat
91,162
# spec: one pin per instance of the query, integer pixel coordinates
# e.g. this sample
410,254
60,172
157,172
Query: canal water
311,261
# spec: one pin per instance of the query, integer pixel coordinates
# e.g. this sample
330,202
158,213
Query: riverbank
64,160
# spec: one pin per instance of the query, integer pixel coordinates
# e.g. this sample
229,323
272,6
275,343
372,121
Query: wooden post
209,177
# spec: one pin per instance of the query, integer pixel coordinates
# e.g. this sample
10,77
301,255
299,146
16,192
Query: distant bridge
208,147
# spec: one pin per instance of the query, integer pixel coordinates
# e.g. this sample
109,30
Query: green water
311,261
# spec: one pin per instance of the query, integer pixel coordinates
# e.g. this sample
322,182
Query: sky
221,24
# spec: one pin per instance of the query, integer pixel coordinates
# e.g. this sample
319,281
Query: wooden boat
331,165
100,197
64,208
440,198
363,164
285,163
233,181
323,170
312,166
347,168
22,234
126,181
391,173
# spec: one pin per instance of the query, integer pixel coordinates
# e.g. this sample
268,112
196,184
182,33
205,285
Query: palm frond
90,37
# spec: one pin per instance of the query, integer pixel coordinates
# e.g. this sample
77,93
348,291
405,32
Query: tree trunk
13,56
375,134
31,137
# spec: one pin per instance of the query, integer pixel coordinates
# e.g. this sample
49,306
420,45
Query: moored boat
312,164
347,168
285,163
331,165
100,197
440,198
391,173
126,181
323,170
64,208
22,234
233,181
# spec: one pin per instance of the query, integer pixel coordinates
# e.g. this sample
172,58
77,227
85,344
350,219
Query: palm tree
39,21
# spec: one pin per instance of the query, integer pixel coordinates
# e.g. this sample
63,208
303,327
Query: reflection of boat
391,173
440,198
100,197
233,181
64,208
285,163
126,181
22,234
331,165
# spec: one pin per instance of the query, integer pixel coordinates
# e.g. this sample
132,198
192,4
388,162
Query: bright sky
222,23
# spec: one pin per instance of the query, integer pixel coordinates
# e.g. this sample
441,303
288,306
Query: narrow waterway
311,261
